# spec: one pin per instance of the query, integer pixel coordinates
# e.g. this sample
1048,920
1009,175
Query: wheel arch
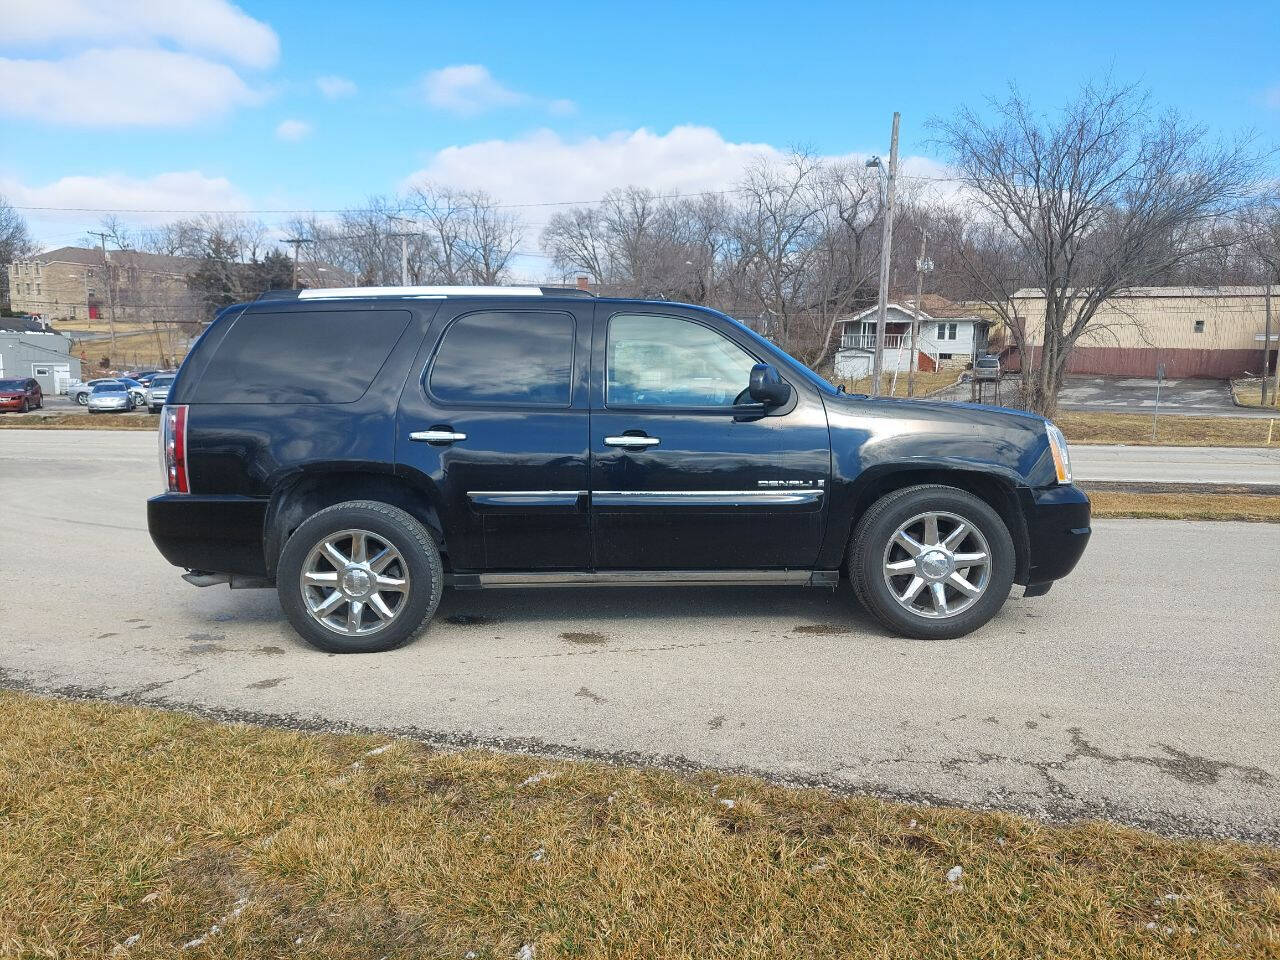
304,494
997,490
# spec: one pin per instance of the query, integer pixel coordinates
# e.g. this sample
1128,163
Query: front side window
666,361
506,357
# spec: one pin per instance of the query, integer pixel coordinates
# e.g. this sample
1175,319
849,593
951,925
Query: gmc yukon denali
360,449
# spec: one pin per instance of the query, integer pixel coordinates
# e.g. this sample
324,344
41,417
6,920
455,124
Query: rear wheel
931,562
82,399
359,577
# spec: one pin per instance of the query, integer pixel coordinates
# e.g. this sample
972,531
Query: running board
637,578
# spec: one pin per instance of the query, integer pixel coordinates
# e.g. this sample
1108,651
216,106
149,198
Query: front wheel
359,577
931,562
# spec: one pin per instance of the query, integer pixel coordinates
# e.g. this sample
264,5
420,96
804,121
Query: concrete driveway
1142,689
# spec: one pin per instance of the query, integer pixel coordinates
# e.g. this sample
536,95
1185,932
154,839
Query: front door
684,474
495,418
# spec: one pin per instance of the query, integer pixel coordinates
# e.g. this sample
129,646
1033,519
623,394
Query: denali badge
790,483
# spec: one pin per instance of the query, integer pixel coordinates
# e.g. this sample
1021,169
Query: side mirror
767,387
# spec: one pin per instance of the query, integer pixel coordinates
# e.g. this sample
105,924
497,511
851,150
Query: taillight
173,444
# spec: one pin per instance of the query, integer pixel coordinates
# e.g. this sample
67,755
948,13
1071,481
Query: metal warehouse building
26,350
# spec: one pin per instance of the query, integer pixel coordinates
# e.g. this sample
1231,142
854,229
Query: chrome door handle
437,436
631,442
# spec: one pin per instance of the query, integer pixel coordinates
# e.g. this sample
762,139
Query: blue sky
105,103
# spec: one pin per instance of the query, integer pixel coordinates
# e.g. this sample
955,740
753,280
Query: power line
501,206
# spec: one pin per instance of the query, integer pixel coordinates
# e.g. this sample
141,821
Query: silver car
79,392
111,396
158,391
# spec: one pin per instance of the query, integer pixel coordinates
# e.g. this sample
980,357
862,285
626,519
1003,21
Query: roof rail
430,292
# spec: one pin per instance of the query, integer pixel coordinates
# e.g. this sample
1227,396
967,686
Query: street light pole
921,266
886,249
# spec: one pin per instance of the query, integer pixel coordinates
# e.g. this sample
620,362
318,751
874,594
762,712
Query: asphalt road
1142,689
1183,398
1235,465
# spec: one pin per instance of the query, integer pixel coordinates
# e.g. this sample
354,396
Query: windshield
13,384
110,388
161,382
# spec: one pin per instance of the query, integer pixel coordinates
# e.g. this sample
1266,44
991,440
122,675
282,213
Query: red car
22,395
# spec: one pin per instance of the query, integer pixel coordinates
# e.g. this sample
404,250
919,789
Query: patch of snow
538,778
379,750
526,952
728,804
954,875
539,854
217,927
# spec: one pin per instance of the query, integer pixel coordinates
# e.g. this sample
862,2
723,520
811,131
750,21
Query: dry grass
1248,392
1185,506
925,383
123,823
78,421
1171,431
133,349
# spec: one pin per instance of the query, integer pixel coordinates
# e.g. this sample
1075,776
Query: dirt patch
585,639
266,684
821,629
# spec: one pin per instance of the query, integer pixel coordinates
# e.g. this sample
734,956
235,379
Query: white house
951,336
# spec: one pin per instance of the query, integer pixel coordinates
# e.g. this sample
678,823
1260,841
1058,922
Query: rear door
495,418
685,474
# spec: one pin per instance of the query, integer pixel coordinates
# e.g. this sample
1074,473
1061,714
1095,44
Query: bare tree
1106,195
15,244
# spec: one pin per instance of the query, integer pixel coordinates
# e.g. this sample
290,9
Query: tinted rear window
509,357
325,356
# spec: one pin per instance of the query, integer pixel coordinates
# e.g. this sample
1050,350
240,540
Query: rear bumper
215,534
1057,531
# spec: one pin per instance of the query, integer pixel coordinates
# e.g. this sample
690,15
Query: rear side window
506,357
328,356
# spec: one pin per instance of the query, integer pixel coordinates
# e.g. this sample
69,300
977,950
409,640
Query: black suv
362,448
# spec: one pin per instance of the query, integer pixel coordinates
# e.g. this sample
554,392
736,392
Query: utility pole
404,249
297,243
921,266
111,300
1266,350
886,248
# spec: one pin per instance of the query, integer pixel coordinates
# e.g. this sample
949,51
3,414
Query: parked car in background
111,396
22,394
359,449
79,392
157,390
144,377
986,368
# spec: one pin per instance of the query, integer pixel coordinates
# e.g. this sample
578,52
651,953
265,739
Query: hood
930,433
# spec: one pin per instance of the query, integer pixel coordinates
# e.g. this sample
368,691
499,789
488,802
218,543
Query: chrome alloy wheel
354,582
937,565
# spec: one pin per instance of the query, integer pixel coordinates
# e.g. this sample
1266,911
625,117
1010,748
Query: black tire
867,555
82,399
397,528
26,406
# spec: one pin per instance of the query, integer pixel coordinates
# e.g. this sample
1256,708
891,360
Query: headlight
1061,456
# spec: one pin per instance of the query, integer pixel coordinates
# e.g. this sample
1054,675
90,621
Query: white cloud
128,63
544,167
149,200
293,130
210,26
334,87
121,87
470,88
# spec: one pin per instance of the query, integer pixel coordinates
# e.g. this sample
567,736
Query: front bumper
211,533
1057,520
10,403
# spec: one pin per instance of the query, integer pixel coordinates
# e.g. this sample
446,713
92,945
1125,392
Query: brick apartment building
70,283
